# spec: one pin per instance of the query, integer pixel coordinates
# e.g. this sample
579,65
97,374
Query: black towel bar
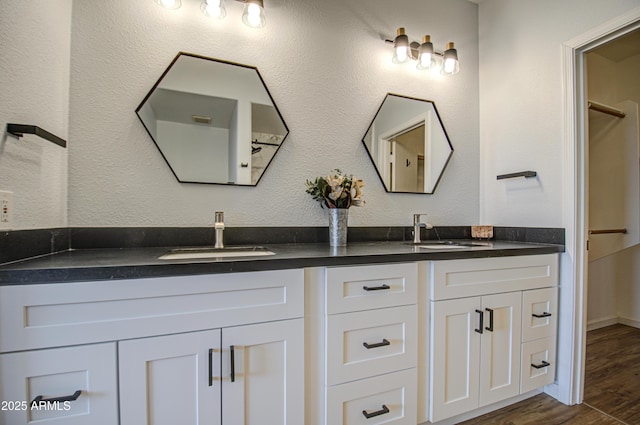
20,130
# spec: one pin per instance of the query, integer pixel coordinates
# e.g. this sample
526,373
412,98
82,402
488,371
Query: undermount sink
440,246
449,244
206,252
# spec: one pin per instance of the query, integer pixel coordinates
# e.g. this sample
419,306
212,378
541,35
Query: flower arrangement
336,190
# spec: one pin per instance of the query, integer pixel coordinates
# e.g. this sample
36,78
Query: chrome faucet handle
219,220
417,224
416,220
219,230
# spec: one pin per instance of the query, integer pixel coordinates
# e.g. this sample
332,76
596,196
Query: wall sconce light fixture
253,15
426,56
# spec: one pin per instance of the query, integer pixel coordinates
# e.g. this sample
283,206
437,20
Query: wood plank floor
612,375
612,387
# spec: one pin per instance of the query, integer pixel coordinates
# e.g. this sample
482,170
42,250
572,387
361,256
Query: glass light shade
253,15
401,48
450,64
214,8
426,56
169,4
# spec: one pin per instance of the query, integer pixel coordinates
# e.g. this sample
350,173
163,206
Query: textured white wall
521,111
328,71
35,39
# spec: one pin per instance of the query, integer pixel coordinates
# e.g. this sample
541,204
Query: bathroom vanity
372,333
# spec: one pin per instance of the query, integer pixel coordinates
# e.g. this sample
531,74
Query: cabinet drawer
539,313
56,373
386,399
367,287
480,276
541,353
54,315
368,343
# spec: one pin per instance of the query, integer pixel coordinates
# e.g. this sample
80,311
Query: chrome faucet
219,230
417,224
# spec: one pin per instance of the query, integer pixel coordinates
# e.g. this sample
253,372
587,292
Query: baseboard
629,322
553,390
602,323
608,321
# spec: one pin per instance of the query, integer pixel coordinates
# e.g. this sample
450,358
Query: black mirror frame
388,190
166,71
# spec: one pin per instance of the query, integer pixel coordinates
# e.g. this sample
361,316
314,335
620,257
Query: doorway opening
574,318
613,207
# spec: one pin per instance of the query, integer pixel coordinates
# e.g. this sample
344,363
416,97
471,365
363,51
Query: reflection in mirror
408,144
213,121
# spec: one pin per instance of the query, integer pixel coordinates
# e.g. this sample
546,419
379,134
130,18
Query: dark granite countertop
133,263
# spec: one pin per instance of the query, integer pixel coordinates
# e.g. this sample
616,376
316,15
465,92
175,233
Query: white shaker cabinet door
263,374
500,352
172,379
455,355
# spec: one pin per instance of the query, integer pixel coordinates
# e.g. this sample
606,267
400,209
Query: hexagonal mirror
213,121
408,144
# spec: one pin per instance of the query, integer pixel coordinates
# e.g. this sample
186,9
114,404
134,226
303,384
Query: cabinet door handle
540,366
384,342
376,288
540,316
210,367
481,314
490,327
232,351
382,411
73,397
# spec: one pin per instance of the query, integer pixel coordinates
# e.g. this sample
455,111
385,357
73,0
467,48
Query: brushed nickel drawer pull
377,344
382,411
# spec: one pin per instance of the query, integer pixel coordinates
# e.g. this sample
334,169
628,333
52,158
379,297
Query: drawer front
479,276
367,287
54,315
386,399
539,313
538,364
368,343
56,373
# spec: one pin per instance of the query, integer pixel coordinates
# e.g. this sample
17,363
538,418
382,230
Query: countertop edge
52,275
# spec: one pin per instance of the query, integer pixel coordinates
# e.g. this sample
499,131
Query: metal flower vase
338,218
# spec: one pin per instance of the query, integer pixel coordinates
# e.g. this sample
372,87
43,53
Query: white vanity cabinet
475,357
219,349
492,330
362,341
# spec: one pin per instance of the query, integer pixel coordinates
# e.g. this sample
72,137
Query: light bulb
401,49
450,64
214,8
401,54
169,4
426,57
253,15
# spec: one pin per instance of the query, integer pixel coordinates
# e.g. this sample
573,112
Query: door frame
384,141
573,303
